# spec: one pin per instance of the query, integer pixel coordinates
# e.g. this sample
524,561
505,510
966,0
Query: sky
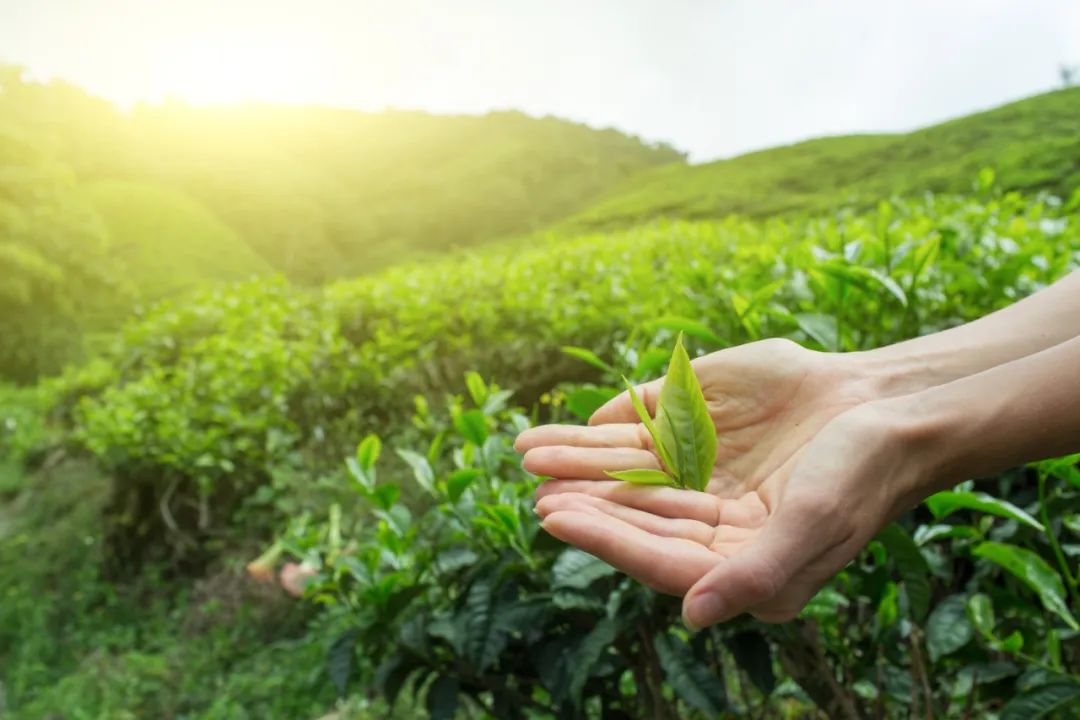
713,78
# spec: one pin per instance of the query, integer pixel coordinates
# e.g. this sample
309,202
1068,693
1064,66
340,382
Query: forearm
1017,412
1038,322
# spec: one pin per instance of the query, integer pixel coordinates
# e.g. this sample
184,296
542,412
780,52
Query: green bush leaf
442,698
588,356
980,610
472,425
685,326
754,656
1034,572
1040,701
578,569
339,660
588,653
459,481
367,452
821,328
944,504
483,640
421,468
948,628
478,389
583,402
912,566
685,426
642,477
689,677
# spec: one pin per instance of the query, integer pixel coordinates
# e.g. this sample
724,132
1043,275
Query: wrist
932,435
890,372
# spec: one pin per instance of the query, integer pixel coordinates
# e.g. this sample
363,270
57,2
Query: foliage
218,416
53,257
1032,144
320,193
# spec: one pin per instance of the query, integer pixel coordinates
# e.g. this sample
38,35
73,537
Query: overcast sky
712,78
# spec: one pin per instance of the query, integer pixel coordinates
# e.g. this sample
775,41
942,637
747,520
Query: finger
664,501
562,461
692,530
760,570
620,409
631,435
669,565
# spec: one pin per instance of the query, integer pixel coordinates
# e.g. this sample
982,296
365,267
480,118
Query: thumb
756,573
620,409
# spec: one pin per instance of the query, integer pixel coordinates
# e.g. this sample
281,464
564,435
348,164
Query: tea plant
683,433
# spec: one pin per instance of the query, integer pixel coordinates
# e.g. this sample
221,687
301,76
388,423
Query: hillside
103,210
320,193
1033,144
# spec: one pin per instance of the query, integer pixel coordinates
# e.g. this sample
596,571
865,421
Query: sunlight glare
235,66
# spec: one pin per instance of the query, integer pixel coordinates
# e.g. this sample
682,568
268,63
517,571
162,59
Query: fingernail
704,609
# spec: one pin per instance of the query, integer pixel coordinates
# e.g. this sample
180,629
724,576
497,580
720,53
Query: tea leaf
662,449
642,477
1034,572
588,356
367,453
685,424
944,504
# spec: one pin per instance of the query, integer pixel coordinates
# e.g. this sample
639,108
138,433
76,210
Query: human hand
767,551
769,401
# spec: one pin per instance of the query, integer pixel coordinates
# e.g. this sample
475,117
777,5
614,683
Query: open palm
769,402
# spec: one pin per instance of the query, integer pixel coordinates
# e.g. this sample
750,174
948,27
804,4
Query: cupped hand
769,401
766,399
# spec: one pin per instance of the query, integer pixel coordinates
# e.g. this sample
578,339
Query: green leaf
821,328
1034,572
913,568
472,425
754,656
588,654
583,402
339,660
684,422
642,477
1013,643
578,569
367,452
948,628
589,357
944,504
442,698
421,468
980,610
478,390
505,515
459,481
864,278
689,677
483,641
685,326
1039,702
384,496
643,413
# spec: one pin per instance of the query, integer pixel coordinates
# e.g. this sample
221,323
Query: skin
817,452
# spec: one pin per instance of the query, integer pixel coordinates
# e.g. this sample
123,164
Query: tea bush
220,416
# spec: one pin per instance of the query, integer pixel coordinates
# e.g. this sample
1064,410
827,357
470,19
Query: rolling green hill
321,193
1033,144
173,239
